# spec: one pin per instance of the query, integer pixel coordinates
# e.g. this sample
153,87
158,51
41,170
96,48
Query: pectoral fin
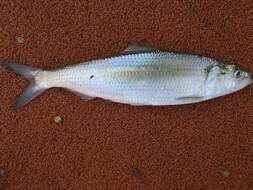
86,98
138,48
190,99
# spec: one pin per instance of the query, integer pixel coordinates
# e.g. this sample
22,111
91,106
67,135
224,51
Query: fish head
225,79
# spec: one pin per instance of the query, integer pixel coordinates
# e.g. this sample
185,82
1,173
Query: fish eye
238,74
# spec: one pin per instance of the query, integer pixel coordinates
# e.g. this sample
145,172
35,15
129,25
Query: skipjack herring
139,76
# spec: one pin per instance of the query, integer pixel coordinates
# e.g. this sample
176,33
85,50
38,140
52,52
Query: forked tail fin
33,90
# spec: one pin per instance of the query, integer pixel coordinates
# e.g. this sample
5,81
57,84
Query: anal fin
83,96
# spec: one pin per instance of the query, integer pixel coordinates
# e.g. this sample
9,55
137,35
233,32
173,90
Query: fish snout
250,76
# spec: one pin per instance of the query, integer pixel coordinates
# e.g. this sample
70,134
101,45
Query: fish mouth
251,78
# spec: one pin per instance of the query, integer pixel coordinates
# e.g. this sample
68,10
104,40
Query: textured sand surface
104,145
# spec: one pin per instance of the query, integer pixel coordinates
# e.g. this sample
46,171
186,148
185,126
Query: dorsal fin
133,48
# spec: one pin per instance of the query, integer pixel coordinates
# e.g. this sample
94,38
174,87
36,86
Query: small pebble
3,173
57,119
98,124
225,173
136,172
20,39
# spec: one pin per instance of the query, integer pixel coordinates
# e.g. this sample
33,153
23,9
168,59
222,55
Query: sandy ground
104,145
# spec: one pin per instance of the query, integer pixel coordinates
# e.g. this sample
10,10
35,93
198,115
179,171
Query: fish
141,75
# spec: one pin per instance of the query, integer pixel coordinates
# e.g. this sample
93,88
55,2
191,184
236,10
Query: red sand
104,145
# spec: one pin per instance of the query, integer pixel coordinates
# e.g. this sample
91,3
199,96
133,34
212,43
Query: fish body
152,78
140,76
